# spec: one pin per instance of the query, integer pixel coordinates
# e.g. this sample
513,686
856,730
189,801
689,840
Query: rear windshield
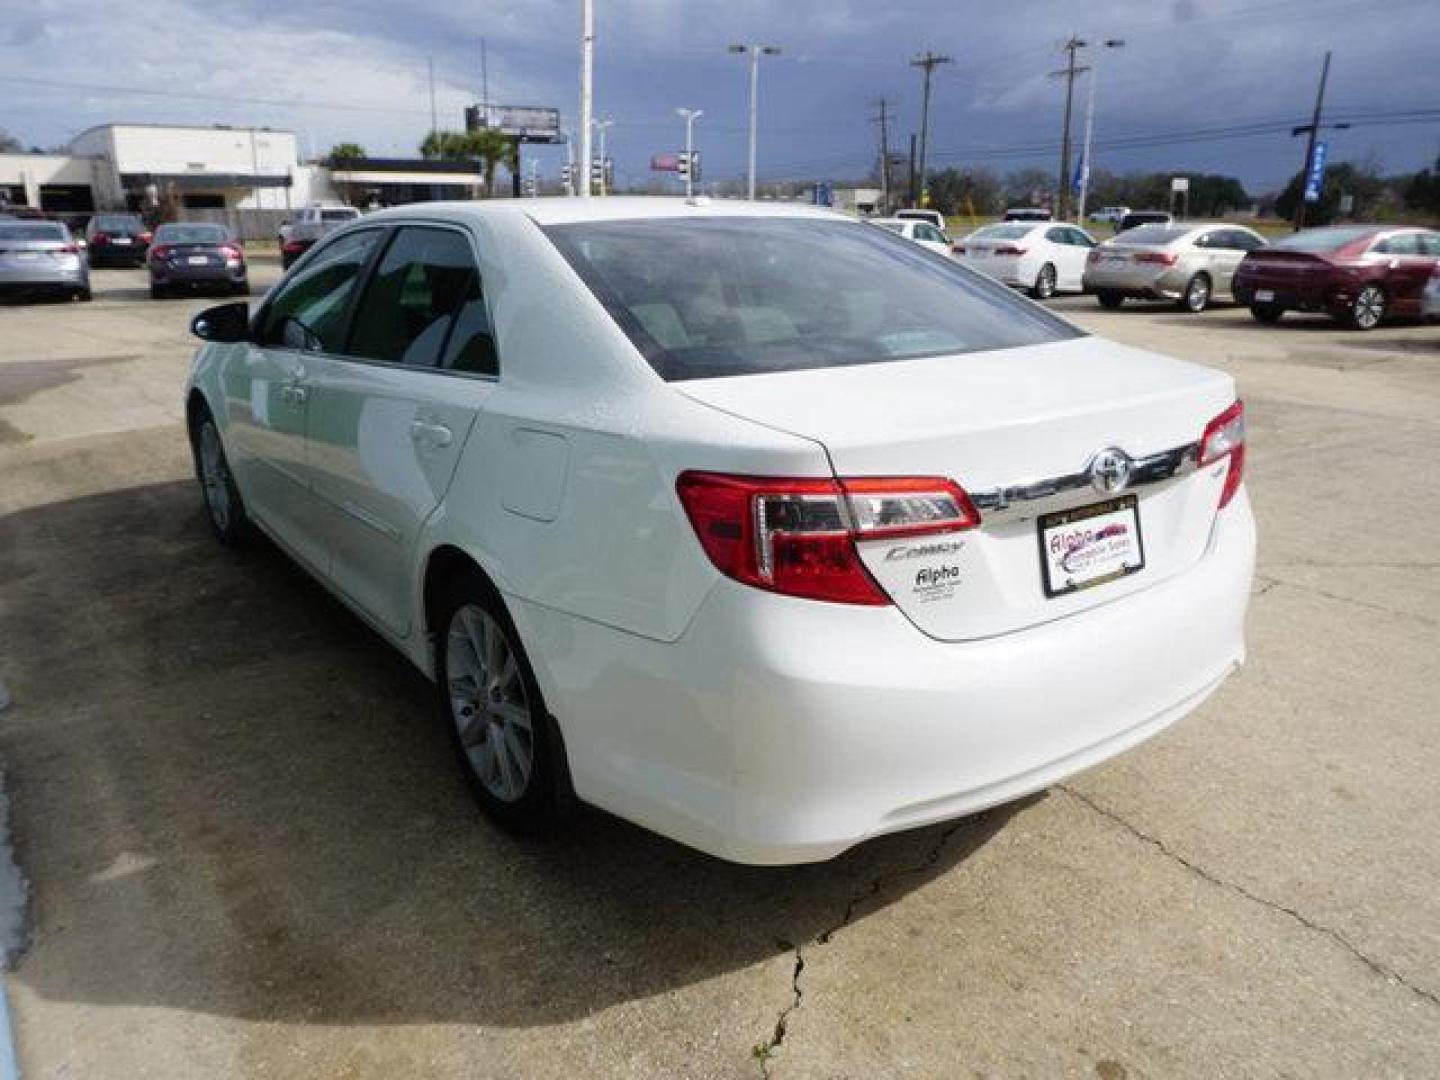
1003,232
1321,239
191,234
741,295
1027,215
117,223
338,215
31,232
1154,234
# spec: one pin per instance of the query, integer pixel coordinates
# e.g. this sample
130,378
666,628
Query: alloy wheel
1369,308
1197,293
489,705
1045,283
214,477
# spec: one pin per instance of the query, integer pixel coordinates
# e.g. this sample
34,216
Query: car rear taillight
293,247
1009,249
100,239
1093,256
958,249
1226,435
230,251
68,249
145,237
798,536
1163,258
159,252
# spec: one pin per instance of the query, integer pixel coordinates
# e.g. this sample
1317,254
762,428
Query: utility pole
587,78
754,51
884,121
484,86
927,61
434,115
1085,163
690,115
913,194
1313,128
1068,73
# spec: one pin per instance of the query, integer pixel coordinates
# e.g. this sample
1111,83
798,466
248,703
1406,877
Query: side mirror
225,323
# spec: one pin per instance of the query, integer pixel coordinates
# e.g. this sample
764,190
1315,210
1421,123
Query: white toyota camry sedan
756,525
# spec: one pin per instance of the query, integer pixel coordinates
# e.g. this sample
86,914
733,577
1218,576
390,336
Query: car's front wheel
492,709
223,506
1196,297
1367,310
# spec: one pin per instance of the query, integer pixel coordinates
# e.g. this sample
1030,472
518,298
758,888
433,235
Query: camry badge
1109,470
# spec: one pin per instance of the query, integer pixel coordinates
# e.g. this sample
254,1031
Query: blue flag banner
1315,174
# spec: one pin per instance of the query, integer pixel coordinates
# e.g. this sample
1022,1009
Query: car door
388,418
268,391
1407,270
931,237
1072,245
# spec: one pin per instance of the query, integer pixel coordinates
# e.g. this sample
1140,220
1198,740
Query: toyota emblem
1109,470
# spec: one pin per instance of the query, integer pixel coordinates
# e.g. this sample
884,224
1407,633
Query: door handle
436,435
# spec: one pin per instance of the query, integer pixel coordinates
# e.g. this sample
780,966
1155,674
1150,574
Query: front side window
413,298
721,296
308,310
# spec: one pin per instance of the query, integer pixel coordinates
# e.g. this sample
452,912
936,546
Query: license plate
1264,296
25,256
1091,545
121,241
197,260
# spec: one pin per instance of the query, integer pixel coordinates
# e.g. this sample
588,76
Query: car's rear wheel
223,505
1367,310
1196,297
158,292
241,288
1267,313
1044,287
492,709
83,293
1109,299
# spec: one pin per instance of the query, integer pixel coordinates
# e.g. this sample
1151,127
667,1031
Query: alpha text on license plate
1090,545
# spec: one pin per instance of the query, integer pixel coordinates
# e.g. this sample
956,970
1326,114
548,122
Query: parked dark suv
116,240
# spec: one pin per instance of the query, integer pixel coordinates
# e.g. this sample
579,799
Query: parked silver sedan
1190,264
42,257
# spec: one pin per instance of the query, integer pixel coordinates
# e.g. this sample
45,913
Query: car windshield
1320,239
190,234
1154,234
117,223
745,295
31,232
1003,232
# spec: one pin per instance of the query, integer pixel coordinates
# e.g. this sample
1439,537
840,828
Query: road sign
528,123
1315,173
1179,184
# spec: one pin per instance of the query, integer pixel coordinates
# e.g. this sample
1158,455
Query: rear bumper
781,731
198,276
1293,296
35,278
1008,271
113,256
1139,283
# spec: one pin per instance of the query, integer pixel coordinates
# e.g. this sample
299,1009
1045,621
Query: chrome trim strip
1021,502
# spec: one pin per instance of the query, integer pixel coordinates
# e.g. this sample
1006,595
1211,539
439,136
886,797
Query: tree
965,191
488,146
9,144
1029,187
1363,182
346,151
1422,190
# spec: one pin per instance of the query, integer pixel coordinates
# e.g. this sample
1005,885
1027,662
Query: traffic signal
682,164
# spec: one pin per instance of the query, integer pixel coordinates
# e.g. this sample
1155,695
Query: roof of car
562,210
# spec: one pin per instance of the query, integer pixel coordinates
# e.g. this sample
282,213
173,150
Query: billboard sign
665,163
528,123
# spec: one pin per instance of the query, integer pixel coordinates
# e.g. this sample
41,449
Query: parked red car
1359,274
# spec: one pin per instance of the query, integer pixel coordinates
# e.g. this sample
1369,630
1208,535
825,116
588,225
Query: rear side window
412,299
1430,243
721,296
33,232
1321,239
1404,244
308,310
339,215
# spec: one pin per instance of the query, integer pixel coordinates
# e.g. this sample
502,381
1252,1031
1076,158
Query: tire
241,288
224,508
1109,299
1267,313
506,745
1196,297
1367,310
1044,287
157,292
84,295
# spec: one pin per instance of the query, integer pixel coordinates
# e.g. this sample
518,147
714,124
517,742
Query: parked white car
1041,257
922,232
1109,214
934,217
1430,299
743,522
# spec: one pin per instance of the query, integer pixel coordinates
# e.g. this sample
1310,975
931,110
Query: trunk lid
1003,420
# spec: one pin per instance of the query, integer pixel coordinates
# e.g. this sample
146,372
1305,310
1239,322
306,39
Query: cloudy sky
1199,85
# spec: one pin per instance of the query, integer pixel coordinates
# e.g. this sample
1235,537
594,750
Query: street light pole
690,115
602,126
754,51
1110,43
587,78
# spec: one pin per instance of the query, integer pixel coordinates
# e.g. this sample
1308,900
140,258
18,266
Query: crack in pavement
763,1052
1387,973
1269,582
